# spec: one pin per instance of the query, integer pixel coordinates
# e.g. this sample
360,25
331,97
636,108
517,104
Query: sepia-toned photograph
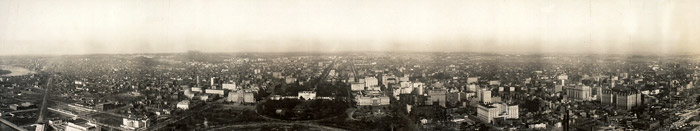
349,65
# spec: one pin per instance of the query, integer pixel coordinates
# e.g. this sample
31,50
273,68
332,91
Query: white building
537,126
419,87
488,112
307,95
472,80
472,87
406,90
494,82
290,80
580,92
130,123
356,86
372,101
405,84
563,77
231,86
81,125
371,81
213,82
485,95
405,78
234,97
215,92
197,89
185,104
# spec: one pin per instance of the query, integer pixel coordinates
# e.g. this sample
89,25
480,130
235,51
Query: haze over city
30,27
349,65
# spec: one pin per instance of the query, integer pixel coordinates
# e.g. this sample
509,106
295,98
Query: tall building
439,96
627,100
419,87
213,82
485,95
405,84
241,96
487,112
456,97
580,92
621,99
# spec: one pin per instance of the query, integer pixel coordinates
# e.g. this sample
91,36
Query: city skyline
169,26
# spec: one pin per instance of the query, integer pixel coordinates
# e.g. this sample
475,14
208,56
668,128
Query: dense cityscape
349,91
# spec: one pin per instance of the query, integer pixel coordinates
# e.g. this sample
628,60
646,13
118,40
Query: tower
213,82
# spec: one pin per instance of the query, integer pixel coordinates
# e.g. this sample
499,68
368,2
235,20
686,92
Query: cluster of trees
5,72
384,123
295,109
215,117
324,89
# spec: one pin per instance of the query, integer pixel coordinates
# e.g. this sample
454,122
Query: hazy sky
522,26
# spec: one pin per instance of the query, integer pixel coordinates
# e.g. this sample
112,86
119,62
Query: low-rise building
241,96
133,123
231,86
219,92
487,112
80,125
621,99
357,86
579,92
307,95
372,100
185,104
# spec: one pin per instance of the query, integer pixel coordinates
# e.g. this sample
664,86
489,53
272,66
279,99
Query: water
16,71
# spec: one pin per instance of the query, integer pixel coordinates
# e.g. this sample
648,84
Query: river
16,71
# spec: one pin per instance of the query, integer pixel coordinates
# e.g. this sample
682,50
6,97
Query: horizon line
339,52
